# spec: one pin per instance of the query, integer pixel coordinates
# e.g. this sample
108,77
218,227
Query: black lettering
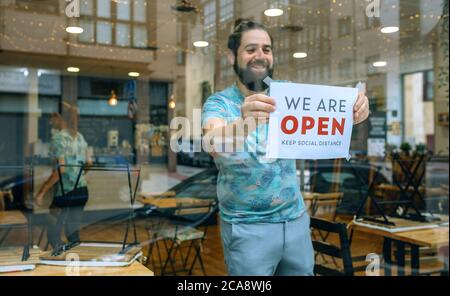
306,104
332,105
342,106
322,106
289,104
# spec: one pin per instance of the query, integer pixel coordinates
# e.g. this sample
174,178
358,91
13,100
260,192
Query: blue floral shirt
73,150
251,188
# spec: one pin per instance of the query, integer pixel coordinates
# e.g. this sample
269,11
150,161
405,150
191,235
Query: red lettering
284,125
338,127
307,124
323,126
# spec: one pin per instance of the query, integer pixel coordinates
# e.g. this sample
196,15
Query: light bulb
74,30
272,12
201,43
300,55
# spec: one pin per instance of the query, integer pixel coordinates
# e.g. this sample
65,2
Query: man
264,223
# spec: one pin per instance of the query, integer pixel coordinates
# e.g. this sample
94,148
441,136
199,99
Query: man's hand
259,107
361,108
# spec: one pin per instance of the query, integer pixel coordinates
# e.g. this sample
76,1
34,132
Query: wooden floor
212,252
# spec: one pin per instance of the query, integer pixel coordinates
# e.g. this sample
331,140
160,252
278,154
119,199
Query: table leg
5,235
387,256
415,260
400,258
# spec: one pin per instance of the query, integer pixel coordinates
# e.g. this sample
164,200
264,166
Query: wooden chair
327,249
324,205
185,227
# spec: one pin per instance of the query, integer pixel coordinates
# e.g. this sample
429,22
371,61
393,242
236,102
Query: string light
43,44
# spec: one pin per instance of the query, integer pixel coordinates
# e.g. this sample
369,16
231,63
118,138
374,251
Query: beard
251,79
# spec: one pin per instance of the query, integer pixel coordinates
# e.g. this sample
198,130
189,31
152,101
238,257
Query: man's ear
231,57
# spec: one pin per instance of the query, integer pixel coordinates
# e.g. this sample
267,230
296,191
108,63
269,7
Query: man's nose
259,53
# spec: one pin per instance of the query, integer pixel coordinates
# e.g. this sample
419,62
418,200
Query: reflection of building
343,44
119,37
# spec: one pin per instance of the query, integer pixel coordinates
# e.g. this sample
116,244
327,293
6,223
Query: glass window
88,33
226,10
428,88
123,10
104,31
210,19
344,26
123,34
140,11
140,36
86,7
104,8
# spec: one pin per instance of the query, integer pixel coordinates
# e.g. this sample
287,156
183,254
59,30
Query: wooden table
135,269
432,237
11,219
173,202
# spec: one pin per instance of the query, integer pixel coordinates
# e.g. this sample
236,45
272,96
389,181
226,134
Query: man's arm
255,110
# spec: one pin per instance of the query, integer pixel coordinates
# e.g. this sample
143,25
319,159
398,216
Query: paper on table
318,127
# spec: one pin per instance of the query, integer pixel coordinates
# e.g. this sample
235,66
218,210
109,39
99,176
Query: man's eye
250,50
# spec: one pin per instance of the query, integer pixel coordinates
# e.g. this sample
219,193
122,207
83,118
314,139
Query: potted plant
420,149
405,148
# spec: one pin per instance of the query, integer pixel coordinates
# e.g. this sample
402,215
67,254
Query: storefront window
140,72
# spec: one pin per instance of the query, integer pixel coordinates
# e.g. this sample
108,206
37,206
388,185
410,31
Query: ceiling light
74,30
73,69
133,74
112,101
380,64
389,30
300,55
172,103
273,12
201,43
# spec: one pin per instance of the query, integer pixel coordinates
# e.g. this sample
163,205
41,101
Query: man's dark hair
240,27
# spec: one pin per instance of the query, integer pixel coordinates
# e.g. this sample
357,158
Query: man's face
254,60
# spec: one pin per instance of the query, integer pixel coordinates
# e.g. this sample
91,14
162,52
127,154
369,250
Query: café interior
129,69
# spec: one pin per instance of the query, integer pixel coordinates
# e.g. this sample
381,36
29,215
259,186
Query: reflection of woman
67,147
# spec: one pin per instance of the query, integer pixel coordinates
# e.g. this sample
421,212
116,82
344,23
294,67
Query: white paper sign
311,121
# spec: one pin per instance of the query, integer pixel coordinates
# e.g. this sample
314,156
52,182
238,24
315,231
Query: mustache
264,63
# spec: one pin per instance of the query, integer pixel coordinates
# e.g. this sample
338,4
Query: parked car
352,181
188,157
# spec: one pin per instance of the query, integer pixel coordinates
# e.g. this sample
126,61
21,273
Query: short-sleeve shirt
73,150
251,188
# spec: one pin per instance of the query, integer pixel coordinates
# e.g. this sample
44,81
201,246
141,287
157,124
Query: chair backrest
324,205
193,212
343,252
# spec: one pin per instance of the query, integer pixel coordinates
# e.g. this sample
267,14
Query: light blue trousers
268,248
